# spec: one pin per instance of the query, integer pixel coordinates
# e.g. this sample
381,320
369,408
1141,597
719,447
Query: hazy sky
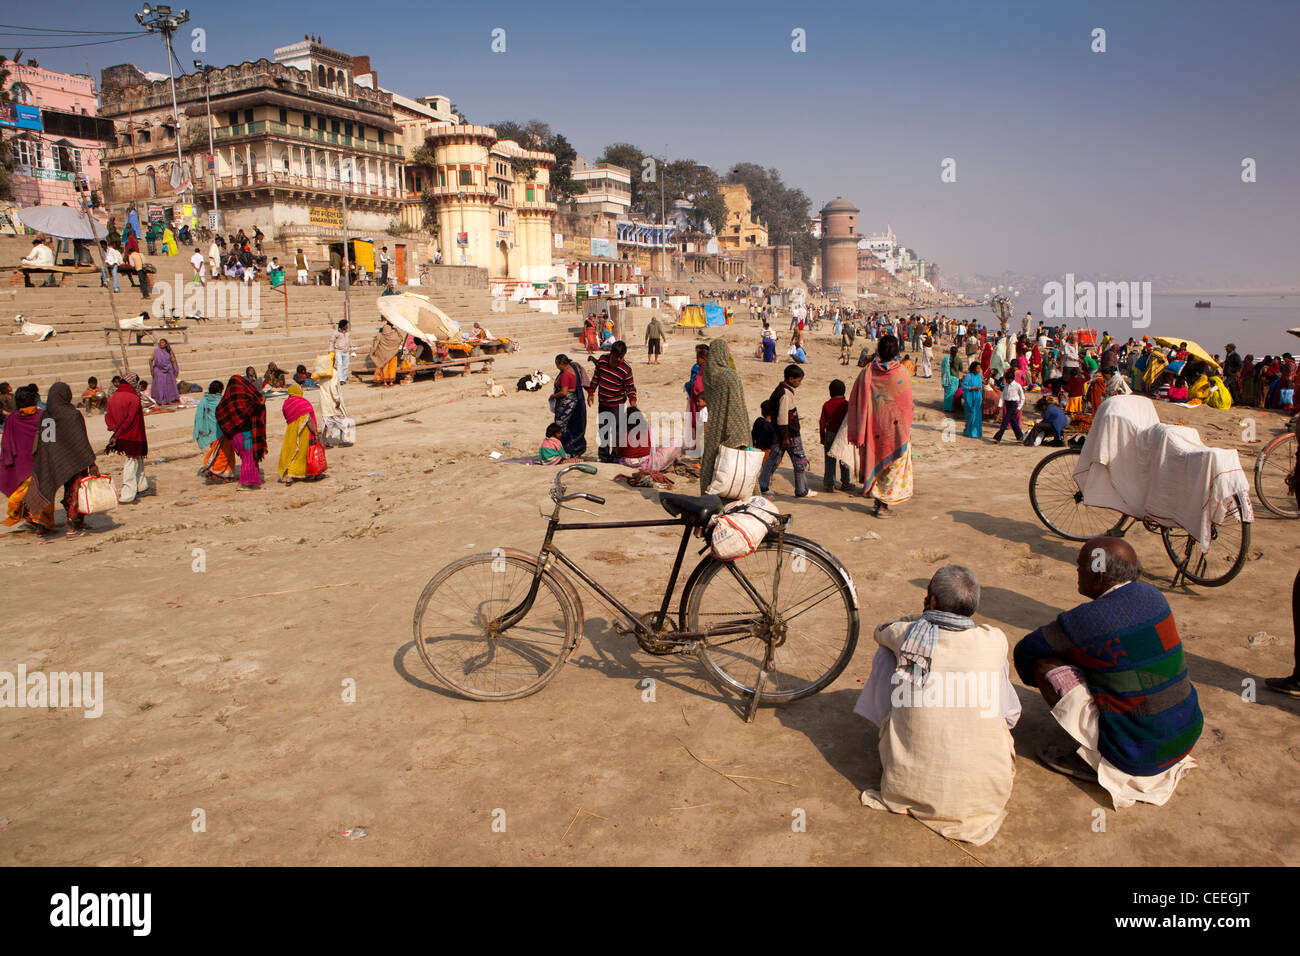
1126,162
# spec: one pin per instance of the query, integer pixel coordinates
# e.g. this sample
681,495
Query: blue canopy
713,314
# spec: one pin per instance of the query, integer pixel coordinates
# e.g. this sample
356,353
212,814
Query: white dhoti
1077,713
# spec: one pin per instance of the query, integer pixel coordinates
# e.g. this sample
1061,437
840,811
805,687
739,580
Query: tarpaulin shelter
416,315
693,317
1194,350
714,314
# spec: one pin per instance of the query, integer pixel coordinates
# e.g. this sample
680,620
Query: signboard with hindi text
324,216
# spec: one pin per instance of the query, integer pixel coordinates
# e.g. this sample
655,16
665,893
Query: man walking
124,417
614,391
336,263
1012,401
654,340
300,266
384,260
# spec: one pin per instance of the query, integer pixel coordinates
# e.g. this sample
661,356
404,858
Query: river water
1256,324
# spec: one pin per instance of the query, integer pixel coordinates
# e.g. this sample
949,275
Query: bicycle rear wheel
458,640
1058,502
816,607
1226,554
1272,468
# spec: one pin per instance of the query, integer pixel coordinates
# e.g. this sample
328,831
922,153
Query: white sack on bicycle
738,530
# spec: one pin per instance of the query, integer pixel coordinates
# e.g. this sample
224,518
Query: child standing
763,436
1012,400
832,417
788,437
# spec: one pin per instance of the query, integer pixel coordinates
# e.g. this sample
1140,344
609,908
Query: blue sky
1126,162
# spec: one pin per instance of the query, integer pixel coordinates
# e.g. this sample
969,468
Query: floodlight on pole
212,149
155,19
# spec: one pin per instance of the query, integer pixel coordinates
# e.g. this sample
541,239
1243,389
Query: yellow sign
324,216
187,211
582,245
643,260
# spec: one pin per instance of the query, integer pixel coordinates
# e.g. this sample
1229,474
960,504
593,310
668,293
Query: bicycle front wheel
1058,502
816,610
458,636
1275,464
1221,562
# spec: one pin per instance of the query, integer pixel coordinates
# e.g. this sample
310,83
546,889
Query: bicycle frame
635,621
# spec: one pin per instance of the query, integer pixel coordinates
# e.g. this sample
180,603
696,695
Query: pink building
51,160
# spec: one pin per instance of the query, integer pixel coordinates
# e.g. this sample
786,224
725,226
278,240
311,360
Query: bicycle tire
744,655
1054,498
1272,465
534,653
1181,548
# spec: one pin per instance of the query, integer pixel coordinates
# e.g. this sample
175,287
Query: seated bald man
1112,671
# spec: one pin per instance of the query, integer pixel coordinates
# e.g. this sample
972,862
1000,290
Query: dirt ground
225,687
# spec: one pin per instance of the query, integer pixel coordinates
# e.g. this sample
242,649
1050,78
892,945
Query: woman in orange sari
218,454
880,428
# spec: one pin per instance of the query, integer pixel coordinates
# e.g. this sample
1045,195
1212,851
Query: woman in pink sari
879,426
300,432
695,401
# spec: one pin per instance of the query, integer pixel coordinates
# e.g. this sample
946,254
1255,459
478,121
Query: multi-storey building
53,134
740,229
292,137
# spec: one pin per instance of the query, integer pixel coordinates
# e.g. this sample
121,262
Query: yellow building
492,202
741,230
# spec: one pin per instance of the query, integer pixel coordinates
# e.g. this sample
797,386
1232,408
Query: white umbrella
62,222
1295,332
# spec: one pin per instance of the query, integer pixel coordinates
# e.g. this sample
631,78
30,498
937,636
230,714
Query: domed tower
462,194
840,247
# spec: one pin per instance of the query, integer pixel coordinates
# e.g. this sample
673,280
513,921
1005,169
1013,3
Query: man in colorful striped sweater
1112,670
613,391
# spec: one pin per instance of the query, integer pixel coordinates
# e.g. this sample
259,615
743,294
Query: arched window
284,160
334,170
153,180
320,76
331,78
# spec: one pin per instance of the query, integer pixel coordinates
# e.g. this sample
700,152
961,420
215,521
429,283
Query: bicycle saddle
695,510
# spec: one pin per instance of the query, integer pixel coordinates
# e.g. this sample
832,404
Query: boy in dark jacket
789,439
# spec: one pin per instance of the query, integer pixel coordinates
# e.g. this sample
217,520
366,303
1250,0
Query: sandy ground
225,689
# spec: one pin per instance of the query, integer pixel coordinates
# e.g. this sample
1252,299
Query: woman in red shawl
241,414
1036,365
880,428
986,356
125,419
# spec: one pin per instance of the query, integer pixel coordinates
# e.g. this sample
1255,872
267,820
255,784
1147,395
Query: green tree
783,210
699,185
563,185
6,156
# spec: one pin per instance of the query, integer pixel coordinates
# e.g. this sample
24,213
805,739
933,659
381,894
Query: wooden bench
60,271
149,330
435,369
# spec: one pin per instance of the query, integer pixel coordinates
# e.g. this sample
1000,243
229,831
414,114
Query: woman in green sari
724,397
949,380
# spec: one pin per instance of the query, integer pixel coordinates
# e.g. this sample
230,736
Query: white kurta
946,750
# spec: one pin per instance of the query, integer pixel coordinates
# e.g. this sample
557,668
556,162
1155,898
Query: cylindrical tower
461,155
839,266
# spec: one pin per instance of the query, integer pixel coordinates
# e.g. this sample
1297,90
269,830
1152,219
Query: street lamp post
345,178
162,19
212,149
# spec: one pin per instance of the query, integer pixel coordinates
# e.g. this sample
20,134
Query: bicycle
1274,473
776,626
1058,503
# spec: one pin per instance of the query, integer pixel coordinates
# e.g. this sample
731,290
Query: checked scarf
917,649
243,409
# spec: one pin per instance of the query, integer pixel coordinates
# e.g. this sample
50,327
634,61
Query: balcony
274,128
310,183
